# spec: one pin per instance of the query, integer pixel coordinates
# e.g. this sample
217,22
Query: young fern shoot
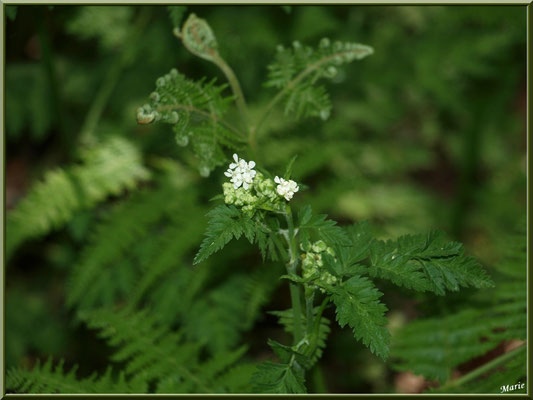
198,111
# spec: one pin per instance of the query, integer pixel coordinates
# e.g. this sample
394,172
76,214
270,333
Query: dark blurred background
429,132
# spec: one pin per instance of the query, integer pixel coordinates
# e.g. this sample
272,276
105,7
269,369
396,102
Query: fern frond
109,249
296,70
504,378
109,25
220,316
258,289
159,356
195,110
432,347
48,379
217,317
107,169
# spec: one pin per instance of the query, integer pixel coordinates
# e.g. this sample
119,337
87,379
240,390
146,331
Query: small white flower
241,172
286,188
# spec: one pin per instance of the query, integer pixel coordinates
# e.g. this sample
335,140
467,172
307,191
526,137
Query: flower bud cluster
313,265
149,112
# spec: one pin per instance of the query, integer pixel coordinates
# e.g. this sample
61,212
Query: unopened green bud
319,246
199,38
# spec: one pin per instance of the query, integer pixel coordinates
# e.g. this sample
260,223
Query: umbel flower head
286,188
241,172
251,190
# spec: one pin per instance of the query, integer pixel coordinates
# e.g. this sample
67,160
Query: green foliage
158,356
453,339
511,373
401,153
316,340
225,223
104,260
326,229
107,169
34,324
195,111
53,379
358,305
297,69
28,106
426,262
109,25
219,318
278,378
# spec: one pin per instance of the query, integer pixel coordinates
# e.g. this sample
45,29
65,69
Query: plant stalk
309,311
110,81
291,269
235,88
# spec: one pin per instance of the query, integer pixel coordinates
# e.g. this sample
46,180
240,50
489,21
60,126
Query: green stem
297,312
213,56
235,87
100,101
484,368
309,297
104,92
291,269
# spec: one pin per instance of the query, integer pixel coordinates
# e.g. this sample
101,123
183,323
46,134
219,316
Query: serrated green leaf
357,305
326,229
225,223
426,263
278,378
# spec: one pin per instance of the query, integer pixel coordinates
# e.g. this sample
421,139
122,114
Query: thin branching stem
309,311
235,87
291,269
104,92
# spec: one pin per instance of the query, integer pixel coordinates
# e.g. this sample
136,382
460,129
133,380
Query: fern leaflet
296,70
52,379
195,111
107,169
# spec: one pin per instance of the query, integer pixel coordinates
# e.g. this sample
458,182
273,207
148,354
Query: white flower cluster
241,172
286,188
